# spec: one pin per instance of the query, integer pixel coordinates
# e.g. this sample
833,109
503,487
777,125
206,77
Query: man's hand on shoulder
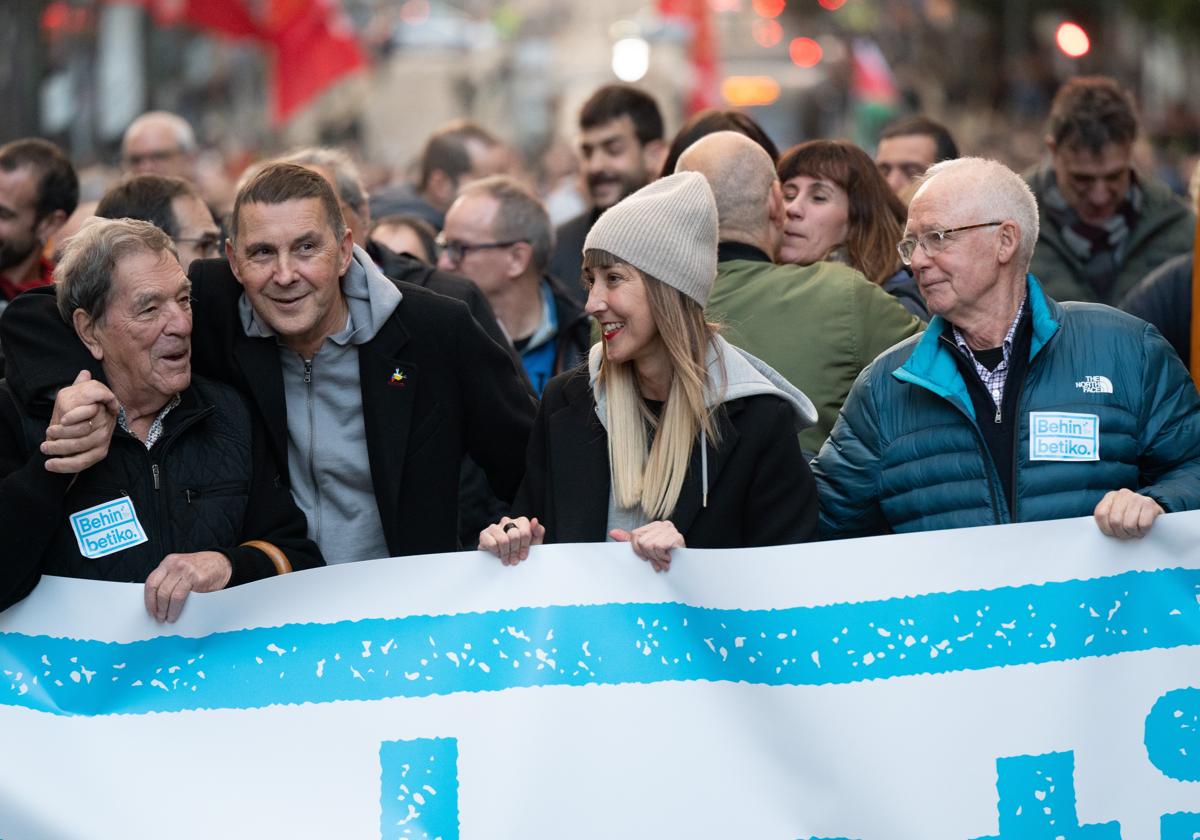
81,426
178,575
1126,515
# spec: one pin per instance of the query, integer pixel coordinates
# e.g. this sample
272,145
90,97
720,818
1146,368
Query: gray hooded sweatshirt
327,439
732,375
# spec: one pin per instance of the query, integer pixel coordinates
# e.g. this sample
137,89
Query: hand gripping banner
1022,681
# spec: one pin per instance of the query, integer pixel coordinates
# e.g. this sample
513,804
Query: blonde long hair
651,476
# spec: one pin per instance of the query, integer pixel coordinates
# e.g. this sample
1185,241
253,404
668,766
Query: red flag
227,17
315,46
702,51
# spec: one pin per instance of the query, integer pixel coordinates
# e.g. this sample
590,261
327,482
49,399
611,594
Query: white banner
1030,681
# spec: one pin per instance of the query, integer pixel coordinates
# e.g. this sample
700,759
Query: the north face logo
1095,385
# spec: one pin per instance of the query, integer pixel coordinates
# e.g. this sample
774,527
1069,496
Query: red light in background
55,15
720,6
60,18
768,33
832,5
769,8
805,52
1072,39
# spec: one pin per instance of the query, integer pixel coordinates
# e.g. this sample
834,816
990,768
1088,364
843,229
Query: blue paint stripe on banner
418,656
419,789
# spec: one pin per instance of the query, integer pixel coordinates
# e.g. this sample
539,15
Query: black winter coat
459,395
760,490
207,484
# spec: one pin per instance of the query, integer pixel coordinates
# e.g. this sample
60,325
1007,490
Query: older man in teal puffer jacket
1010,407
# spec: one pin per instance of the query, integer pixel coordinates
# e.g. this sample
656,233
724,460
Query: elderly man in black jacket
178,488
370,394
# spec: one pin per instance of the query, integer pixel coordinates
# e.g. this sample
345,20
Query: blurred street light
805,52
769,8
1072,39
767,33
749,91
630,59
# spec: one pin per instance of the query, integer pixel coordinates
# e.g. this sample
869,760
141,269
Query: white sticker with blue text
1057,436
108,528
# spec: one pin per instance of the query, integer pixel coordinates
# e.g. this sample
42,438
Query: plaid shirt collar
993,380
156,428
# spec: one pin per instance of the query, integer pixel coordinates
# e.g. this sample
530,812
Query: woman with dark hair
711,121
668,436
839,208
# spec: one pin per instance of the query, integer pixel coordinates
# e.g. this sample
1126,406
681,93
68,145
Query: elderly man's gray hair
83,277
185,137
346,177
520,216
995,191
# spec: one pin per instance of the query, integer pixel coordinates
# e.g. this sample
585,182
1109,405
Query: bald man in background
818,325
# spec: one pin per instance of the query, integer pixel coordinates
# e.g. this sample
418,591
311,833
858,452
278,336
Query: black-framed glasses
133,161
206,245
457,251
933,241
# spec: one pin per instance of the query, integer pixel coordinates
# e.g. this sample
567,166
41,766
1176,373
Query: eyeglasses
157,156
933,241
206,245
457,251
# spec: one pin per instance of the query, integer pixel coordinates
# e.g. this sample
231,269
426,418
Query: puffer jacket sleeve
847,468
1170,423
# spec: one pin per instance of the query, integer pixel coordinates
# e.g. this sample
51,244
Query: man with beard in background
38,191
622,148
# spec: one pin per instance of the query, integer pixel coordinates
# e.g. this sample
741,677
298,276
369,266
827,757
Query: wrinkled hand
81,426
652,542
180,574
1126,515
512,545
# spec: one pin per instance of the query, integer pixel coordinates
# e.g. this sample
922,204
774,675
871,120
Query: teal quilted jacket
906,453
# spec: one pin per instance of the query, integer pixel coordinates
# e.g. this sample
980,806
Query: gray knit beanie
667,229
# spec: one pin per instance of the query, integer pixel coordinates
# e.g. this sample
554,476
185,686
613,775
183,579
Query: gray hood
732,374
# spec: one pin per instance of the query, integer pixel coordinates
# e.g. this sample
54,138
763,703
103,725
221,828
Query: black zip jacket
208,484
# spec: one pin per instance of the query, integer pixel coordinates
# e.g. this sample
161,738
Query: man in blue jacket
1010,407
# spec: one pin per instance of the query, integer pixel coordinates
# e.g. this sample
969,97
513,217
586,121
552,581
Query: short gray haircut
741,174
520,216
185,137
993,190
83,277
346,177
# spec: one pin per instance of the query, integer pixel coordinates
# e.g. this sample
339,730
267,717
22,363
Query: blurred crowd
667,339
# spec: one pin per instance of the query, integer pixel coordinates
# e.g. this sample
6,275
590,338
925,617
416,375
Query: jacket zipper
160,509
993,475
1017,423
312,435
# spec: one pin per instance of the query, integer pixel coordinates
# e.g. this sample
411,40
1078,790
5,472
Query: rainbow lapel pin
398,379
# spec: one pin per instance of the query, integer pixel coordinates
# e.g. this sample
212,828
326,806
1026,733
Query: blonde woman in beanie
668,436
